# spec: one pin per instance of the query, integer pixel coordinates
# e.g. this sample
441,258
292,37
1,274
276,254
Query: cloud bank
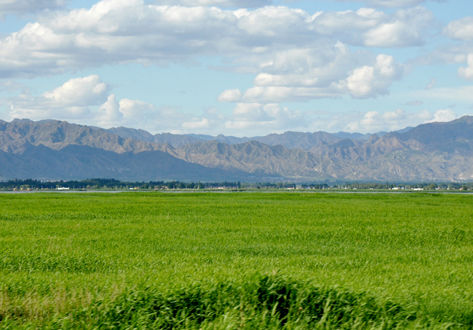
132,31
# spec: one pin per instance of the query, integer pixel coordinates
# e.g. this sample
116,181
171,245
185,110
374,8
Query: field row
67,257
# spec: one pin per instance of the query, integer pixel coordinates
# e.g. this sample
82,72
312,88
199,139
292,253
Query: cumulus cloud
85,99
257,116
461,29
268,94
443,115
105,109
311,74
375,121
78,92
109,113
88,100
373,80
398,32
123,31
196,124
72,100
370,27
467,72
294,55
230,95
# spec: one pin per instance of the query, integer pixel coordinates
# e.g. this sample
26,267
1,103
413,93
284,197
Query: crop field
236,260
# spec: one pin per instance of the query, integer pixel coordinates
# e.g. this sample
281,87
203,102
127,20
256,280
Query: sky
237,67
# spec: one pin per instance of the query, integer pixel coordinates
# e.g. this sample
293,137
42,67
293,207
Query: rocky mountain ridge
428,152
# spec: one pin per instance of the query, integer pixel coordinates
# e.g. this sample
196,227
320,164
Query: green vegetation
237,260
116,185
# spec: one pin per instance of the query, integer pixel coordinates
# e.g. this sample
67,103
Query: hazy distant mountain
81,162
175,140
454,136
253,157
57,135
291,140
296,140
58,150
427,152
353,136
131,133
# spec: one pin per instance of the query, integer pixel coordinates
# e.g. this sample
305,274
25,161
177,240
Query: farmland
236,260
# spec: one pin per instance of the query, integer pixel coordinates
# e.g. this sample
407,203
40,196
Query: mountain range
51,150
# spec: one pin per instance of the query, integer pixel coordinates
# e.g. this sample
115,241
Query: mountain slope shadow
81,162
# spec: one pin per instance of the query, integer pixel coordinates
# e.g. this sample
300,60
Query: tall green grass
268,301
198,260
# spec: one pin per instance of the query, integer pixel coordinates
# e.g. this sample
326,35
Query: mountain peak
434,151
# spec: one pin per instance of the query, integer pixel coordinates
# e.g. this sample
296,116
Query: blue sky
237,67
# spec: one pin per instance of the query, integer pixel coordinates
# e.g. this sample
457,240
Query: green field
236,260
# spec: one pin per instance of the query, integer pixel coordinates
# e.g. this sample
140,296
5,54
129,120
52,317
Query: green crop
236,260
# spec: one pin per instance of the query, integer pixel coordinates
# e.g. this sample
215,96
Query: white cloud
259,117
348,26
106,110
76,99
267,94
467,72
443,115
369,81
230,95
109,113
295,55
143,115
70,101
375,121
303,74
196,124
78,92
87,100
360,81
308,66
405,28
461,29
369,27
269,25
116,31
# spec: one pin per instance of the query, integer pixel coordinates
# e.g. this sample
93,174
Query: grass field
236,260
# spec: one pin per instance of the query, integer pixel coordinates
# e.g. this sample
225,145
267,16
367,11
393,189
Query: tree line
112,184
